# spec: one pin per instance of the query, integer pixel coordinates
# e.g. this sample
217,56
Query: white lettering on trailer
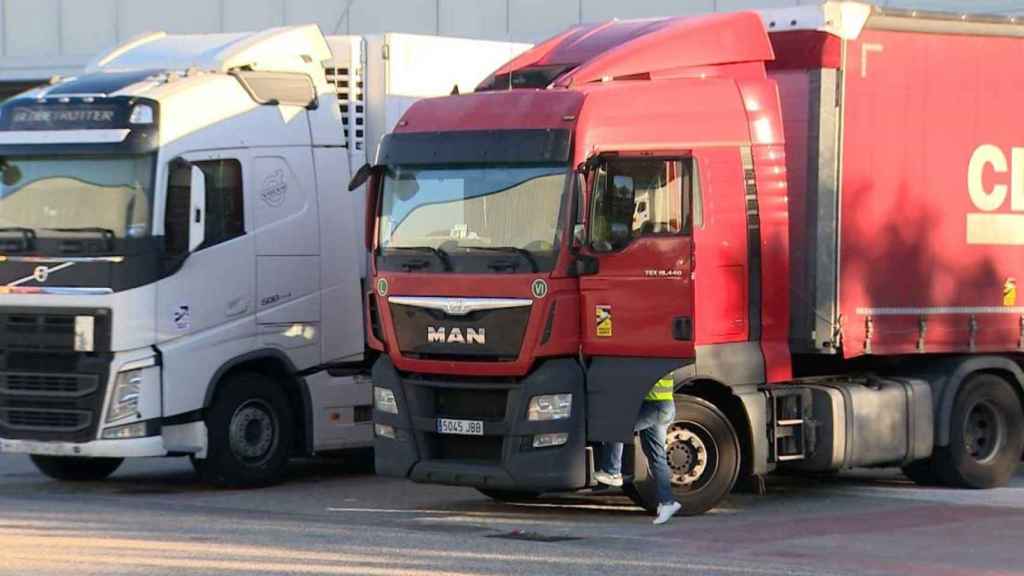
987,227
865,49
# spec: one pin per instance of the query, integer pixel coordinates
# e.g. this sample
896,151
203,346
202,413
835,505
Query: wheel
986,435
508,495
74,469
249,431
703,455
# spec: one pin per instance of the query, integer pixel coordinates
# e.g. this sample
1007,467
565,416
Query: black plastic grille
47,329
476,404
56,385
46,420
472,448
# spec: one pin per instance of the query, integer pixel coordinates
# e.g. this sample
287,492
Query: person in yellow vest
656,414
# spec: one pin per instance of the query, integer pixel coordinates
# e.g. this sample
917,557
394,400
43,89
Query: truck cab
181,270
625,203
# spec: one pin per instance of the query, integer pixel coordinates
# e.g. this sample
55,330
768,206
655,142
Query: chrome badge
85,329
539,288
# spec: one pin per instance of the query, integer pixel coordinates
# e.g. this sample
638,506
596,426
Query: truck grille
50,329
472,448
475,404
46,420
57,385
503,331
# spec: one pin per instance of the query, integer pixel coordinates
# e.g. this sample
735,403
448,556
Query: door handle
682,328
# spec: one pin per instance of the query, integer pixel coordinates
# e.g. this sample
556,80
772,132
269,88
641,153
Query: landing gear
703,453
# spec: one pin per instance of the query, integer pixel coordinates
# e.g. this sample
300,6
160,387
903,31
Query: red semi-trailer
812,218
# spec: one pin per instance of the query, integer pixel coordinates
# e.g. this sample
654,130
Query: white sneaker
607,478
666,511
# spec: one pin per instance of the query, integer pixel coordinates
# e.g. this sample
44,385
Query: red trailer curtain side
907,166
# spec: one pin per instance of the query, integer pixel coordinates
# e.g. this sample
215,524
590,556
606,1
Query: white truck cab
181,265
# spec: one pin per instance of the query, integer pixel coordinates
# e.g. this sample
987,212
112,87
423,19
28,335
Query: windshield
492,217
67,194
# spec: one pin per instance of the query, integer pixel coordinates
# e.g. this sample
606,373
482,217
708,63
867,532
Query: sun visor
551,146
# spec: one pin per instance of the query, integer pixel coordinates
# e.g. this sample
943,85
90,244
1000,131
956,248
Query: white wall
43,37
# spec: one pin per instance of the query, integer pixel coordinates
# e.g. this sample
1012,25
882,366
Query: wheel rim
984,432
692,455
253,432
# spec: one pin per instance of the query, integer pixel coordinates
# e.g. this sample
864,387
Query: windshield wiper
105,232
446,261
526,254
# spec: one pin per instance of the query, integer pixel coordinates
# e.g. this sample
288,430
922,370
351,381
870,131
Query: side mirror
197,210
360,177
579,236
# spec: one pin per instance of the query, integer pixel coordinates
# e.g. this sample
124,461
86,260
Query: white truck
181,265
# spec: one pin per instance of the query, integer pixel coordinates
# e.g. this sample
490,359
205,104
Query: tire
698,484
74,469
986,435
249,431
508,495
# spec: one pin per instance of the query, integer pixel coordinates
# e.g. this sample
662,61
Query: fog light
384,431
549,440
124,402
136,430
550,407
384,400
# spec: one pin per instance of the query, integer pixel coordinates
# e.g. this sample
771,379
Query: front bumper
135,448
504,457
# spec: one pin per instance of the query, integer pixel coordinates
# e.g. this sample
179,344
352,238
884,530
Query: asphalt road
153,518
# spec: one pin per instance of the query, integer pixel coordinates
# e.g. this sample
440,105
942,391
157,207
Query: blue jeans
652,424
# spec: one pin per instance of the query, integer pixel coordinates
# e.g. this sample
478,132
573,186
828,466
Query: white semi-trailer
181,267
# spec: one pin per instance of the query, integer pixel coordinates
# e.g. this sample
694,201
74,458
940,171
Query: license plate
464,427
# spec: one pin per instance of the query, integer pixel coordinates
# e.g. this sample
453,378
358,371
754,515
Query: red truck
812,218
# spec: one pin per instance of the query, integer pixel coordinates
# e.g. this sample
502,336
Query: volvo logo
40,274
442,335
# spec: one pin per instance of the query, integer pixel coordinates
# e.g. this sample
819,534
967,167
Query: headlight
124,402
550,407
384,400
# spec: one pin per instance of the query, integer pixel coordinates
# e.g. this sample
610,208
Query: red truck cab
611,207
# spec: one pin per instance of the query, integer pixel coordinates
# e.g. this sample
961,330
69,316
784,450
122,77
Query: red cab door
639,303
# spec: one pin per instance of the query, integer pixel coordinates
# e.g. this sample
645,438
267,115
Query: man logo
456,307
41,274
441,335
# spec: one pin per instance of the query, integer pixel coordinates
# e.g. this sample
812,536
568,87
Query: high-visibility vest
662,391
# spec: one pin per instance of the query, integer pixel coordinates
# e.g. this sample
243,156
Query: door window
634,198
224,205
224,217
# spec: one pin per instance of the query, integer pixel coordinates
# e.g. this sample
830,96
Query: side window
634,198
179,189
224,209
